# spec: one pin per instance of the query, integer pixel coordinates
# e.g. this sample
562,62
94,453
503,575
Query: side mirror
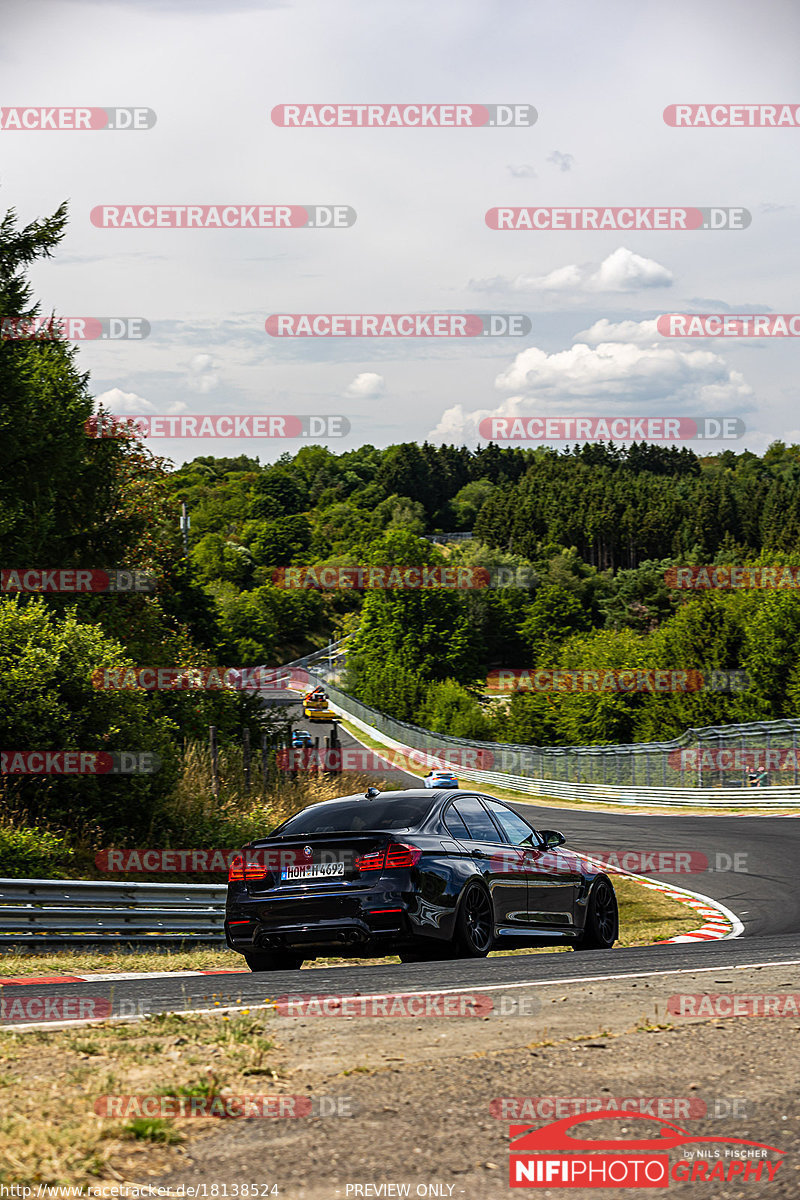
551,838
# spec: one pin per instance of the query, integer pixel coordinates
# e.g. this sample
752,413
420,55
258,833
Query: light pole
185,524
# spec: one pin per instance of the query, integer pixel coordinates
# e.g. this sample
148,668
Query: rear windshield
351,816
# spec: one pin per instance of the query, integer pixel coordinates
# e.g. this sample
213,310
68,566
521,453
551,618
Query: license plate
313,871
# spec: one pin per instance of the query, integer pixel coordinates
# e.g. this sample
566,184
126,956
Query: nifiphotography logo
552,1157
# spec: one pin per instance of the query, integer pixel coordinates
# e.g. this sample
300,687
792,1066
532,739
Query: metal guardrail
642,797
60,912
646,774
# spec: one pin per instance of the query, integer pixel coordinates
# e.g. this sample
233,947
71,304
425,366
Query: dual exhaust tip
347,937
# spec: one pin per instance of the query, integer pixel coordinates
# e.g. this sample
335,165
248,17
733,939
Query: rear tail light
374,861
394,857
400,855
244,870
236,869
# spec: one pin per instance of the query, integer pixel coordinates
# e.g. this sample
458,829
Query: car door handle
478,854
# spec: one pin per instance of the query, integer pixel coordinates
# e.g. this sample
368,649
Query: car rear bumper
369,920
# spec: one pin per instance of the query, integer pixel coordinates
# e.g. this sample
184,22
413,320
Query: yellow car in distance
315,706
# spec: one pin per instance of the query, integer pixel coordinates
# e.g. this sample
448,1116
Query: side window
480,825
515,829
454,824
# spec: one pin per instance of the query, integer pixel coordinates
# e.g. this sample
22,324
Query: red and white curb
720,922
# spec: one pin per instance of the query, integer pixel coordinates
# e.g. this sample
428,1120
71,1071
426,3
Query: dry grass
194,816
49,1082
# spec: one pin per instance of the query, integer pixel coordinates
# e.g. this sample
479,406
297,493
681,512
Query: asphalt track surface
764,893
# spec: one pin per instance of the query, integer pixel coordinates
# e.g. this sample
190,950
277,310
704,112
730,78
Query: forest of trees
597,526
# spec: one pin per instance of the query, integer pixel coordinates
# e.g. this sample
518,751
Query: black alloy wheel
602,918
475,923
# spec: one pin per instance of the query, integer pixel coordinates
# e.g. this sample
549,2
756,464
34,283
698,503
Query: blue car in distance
301,738
440,779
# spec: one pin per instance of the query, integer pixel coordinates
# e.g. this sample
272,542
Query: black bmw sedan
423,874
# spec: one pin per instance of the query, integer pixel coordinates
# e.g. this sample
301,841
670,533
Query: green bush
48,702
32,853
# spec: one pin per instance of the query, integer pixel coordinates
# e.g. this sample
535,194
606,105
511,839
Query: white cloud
522,171
562,161
621,369
202,376
563,279
119,402
622,271
614,378
639,333
366,386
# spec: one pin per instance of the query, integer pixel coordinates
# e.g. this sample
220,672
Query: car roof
437,800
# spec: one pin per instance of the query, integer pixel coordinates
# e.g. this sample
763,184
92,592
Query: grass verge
49,1082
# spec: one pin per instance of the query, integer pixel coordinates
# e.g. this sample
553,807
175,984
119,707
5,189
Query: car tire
474,933
602,918
281,961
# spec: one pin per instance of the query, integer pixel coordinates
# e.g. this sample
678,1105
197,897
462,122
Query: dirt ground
417,1102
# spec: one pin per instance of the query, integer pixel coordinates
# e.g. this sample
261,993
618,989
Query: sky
599,78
